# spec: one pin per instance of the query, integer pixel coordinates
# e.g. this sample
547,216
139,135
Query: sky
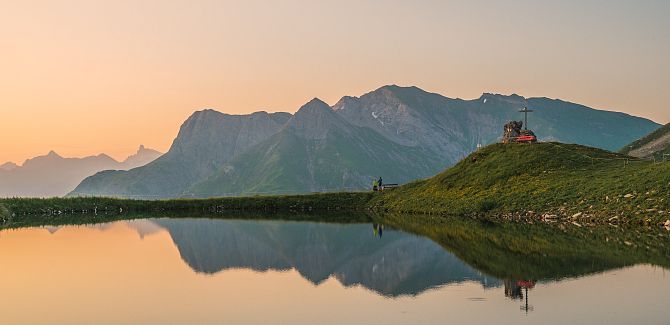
83,77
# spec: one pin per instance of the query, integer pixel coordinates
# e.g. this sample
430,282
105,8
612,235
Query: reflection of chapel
514,289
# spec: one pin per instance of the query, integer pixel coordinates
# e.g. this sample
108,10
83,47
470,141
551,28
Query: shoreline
19,211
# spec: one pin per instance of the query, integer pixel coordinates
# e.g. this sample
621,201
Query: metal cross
525,112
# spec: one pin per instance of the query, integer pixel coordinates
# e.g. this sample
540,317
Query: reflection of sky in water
143,271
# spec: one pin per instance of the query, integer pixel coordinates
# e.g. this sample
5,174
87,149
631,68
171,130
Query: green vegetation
92,218
522,251
68,210
4,213
528,181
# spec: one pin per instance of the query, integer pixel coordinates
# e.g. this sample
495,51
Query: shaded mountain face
52,175
400,133
317,150
205,143
395,264
452,128
654,145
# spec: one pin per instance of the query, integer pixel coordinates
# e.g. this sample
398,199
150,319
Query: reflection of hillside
396,264
537,252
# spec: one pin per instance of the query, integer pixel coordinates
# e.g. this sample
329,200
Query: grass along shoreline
546,182
17,211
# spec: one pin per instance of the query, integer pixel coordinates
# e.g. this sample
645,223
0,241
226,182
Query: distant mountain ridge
53,175
400,133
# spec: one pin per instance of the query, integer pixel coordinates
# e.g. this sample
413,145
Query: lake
198,271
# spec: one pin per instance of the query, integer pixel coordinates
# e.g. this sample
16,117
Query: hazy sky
83,77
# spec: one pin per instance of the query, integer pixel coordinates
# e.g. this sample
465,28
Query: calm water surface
196,271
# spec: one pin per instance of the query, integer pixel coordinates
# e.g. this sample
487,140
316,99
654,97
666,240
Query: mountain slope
317,151
399,133
454,127
207,140
654,145
549,178
52,175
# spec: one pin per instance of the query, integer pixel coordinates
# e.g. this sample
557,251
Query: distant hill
52,175
655,144
400,133
551,178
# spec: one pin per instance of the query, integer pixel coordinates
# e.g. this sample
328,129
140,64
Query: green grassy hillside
655,145
527,181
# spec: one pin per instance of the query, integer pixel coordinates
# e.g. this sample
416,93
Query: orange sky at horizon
88,77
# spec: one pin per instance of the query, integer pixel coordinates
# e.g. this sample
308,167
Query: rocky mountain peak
314,109
104,156
346,102
510,99
315,119
53,154
8,166
401,92
142,157
315,104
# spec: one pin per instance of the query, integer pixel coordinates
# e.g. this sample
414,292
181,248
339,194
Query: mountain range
52,175
400,133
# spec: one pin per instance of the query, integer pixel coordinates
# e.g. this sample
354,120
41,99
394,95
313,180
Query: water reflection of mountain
395,264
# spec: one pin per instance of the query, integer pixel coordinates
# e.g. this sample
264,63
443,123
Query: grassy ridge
512,181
